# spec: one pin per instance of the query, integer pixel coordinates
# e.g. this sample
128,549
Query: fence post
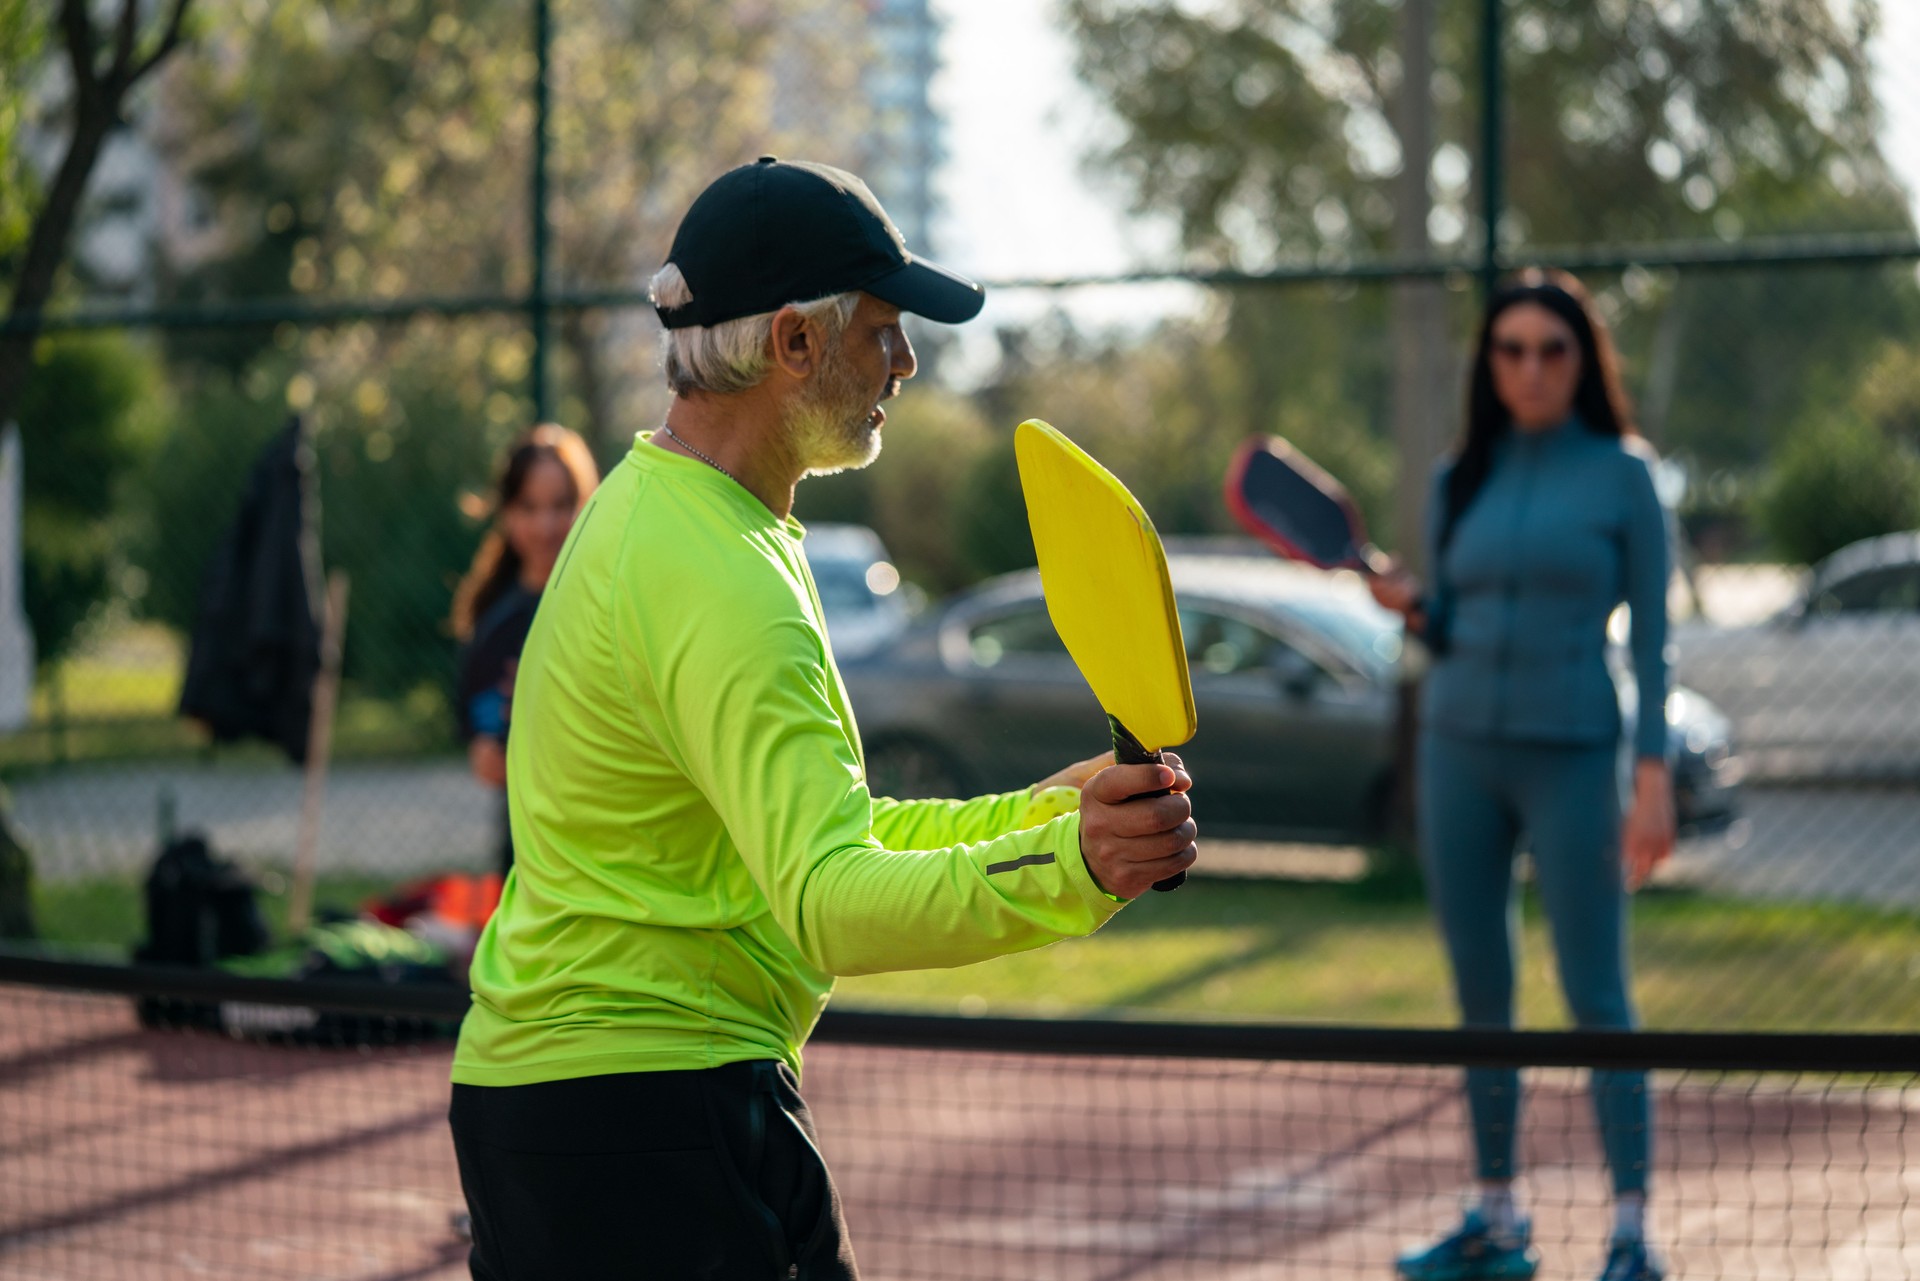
537,301
1492,139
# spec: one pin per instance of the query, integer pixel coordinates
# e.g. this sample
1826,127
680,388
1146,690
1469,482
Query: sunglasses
1550,352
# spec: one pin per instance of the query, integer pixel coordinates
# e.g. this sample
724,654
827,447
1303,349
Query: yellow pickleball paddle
1104,574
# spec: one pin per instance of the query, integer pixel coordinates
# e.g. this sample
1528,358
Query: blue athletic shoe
1630,1260
1475,1253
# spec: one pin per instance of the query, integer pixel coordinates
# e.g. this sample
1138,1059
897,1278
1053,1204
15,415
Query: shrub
389,485
1836,481
88,415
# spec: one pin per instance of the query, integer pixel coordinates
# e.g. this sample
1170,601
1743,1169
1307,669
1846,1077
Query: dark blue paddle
1294,506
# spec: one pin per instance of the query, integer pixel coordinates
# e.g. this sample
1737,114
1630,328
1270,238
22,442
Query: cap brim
926,289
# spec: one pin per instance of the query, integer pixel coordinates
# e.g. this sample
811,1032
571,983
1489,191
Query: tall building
908,140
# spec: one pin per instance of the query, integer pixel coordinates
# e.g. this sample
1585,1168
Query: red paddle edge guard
1235,484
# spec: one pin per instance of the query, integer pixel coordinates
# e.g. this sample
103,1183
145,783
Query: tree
103,69
1275,132
1268,128
21,38
103,72
1837,481
371,149
368,149
88,415
1165,412
1852,470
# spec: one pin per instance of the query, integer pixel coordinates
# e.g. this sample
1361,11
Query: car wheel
910,769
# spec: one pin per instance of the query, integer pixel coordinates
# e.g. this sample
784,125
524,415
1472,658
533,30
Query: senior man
697,852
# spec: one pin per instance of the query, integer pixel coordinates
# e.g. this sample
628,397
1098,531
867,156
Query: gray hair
733,355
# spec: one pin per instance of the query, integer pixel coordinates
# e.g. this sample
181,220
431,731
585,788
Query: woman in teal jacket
1543,522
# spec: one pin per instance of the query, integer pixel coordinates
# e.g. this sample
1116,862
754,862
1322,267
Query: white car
860,590
1830,687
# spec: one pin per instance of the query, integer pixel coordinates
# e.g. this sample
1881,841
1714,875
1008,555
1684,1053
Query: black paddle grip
1128,751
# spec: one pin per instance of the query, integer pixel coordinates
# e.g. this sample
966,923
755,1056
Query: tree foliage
22,36
1163,411
1267,129
107,54
1852,471
88,418
1837,481
1267,126
373,148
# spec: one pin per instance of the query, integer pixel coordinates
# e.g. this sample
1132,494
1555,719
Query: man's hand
1129,844
1076,775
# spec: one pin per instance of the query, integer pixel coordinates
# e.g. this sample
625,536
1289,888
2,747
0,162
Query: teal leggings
1476,797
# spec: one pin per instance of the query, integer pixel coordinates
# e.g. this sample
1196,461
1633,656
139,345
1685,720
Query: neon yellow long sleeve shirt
696,853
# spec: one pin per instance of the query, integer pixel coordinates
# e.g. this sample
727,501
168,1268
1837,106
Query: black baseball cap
784,231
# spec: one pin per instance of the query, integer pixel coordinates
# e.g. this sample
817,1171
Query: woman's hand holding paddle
1395,589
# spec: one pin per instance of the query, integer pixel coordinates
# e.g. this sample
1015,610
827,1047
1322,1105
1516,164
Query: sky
1897,82
1018,201
1020,204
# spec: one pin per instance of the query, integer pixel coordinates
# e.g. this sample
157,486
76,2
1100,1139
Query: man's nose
904,363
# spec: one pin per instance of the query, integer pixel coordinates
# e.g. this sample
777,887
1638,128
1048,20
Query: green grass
1319,952
115,699
109,915
128,670
1331,952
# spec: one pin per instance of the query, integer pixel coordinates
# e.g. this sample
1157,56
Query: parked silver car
866,605
1294,676
1830,687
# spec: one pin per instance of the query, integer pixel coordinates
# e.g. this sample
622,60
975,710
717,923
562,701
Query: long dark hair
496,565
1599,400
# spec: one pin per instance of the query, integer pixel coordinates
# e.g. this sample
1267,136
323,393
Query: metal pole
538,302
1492,144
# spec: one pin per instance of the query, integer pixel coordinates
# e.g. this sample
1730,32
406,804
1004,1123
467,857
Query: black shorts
708,1174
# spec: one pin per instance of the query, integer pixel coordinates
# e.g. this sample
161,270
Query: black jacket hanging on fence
256,642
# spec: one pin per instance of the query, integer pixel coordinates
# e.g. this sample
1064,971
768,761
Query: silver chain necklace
686,445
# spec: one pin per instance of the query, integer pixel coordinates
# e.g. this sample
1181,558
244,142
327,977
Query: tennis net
308,1140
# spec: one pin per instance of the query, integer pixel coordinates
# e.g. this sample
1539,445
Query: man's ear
796,343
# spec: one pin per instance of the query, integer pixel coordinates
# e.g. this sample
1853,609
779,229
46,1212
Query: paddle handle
1128,750
1374,563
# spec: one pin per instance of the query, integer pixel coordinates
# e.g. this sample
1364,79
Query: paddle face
1105,578
1286,500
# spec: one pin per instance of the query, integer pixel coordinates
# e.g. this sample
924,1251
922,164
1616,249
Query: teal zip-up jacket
1566,527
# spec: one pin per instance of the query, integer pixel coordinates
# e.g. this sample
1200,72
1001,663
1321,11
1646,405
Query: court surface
139,1154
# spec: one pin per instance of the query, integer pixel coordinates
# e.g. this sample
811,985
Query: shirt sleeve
1439,600
1647,569
921,824
757,729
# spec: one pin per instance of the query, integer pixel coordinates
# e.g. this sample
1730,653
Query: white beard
832,427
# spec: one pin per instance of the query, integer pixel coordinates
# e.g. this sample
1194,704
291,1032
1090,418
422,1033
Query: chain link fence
1779,377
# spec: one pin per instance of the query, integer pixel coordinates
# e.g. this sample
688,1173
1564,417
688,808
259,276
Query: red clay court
162,1155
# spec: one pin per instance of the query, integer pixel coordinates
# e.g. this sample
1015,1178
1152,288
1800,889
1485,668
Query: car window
1367,638
1223,645
1893,589
1025,633
843,587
